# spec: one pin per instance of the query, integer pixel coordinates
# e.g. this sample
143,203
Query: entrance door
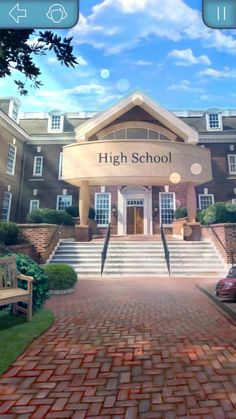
135,213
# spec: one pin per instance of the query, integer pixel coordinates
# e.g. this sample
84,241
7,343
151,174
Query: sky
160,47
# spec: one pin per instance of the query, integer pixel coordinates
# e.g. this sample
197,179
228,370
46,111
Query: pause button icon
221,13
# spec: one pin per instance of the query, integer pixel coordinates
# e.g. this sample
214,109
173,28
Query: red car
226,288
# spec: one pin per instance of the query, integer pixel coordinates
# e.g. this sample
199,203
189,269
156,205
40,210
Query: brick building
136,158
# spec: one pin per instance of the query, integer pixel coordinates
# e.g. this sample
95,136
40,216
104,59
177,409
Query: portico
116,148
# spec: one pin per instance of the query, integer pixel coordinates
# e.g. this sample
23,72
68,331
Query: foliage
74,211
17,333
27,266
60,276
180,213
221,212
9,233
18,54
49,216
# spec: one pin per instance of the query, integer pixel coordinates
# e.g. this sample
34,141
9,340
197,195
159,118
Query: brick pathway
154,348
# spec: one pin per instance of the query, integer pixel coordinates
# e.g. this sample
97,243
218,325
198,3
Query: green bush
74,212
27,266
9,233
221,212
180,213
49,216
60,276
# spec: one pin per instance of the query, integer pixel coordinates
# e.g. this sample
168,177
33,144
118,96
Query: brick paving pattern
133,348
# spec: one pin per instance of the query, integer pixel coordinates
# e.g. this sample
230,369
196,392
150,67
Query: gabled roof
168,119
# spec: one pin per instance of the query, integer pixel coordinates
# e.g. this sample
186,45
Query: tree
18,50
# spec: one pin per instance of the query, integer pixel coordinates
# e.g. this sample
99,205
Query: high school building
134,163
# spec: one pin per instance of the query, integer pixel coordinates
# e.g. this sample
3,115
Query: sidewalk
128,348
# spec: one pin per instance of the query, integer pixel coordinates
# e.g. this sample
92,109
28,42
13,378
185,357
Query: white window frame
9,205
32,201
60,166
13,162
199,199
209,128
63,197
160,202
34,168
97,194
230,171
50,122
234,201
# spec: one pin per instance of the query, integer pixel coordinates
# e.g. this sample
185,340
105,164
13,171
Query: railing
57,231
6,249
231,252
105,247
166,250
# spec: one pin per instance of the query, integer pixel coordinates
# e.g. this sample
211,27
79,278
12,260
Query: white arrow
16,13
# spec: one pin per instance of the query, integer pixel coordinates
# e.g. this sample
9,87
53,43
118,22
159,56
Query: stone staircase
141,258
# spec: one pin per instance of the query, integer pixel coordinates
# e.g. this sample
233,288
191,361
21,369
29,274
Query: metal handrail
166,250
232,252
54,234
8,250
105,247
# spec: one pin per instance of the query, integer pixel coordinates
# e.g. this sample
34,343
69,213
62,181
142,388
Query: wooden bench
10,293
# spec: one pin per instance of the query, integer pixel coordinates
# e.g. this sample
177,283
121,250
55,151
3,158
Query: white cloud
226,73
81,60
185,57
122,24
184,86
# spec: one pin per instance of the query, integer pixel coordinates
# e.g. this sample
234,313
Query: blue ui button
31,14
219,14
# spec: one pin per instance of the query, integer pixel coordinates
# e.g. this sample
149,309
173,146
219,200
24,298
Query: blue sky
160,47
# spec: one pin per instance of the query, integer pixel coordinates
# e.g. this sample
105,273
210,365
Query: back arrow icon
16,13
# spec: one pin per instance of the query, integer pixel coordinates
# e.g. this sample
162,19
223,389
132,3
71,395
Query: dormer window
55,122
214,121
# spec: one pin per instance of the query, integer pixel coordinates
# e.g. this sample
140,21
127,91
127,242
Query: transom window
103,208
63,202
135,134
38,166
135,202
6,206
11,159
167,207
205,201
232,164
34,204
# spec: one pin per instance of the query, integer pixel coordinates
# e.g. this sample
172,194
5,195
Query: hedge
60,276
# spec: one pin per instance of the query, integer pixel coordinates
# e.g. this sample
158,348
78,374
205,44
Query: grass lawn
16,333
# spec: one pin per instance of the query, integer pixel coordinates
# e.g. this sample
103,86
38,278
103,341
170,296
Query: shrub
74,211
9,233
60,276
180,213
221,212
27,266
49,216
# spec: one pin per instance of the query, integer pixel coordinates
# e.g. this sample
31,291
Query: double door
135,216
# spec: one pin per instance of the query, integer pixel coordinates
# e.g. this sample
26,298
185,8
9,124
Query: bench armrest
25,277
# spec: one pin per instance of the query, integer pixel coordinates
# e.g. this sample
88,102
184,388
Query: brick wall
44,237
227,239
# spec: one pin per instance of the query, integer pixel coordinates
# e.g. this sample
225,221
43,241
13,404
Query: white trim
109,206
34,168
63,196
60,165
160,202
134,192
9,207
209,128
230,155
57,130
31,204
199,199
234,201
14,161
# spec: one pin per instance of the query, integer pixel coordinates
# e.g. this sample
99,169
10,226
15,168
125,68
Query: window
60,166
167,207
6,206
103,208
234,201
214,121
15,111
135,134
135,203
38,166
34,204
63,201
11,159
205,201
232,164
55,122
